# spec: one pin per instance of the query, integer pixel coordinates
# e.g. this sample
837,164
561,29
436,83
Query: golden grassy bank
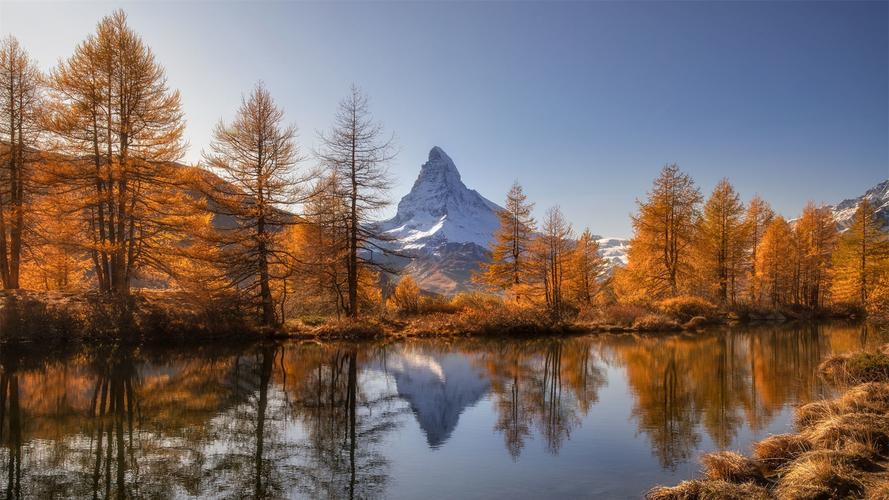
840,448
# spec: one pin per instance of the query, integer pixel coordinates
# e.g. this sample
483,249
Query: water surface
603,416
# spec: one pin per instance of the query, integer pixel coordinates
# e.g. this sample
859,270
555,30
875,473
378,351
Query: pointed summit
439,169
436,153
440,208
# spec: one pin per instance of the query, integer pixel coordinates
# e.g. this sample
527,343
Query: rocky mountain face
440,208
878,196
446,227
443,226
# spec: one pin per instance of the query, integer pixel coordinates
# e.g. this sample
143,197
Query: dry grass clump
823,474
696,323
622,314
812,413
775,451
707,490
475,300
685,307
868,366
856,368
350,329
838,431
732,467
877,490
871,397
654,322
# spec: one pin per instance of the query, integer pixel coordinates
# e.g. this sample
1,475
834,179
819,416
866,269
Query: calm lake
599,416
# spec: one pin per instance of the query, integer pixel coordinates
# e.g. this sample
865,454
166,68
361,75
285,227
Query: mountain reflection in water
603,415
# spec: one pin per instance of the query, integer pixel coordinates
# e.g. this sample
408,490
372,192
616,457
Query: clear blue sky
581,102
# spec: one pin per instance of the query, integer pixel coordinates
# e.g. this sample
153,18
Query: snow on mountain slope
878,196
440,208
613,250
446,228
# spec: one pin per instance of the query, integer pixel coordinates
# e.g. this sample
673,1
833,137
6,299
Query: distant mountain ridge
878,196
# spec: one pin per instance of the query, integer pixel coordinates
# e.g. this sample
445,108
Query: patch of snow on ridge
878,196
613,250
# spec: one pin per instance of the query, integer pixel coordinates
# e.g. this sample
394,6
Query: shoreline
57,318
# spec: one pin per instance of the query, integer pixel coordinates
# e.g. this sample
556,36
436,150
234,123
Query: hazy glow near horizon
581,102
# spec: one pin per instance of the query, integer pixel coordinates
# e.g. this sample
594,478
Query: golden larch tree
114,117
584,267
358,151
775,273
321,249
816,233
511,245
256,155
660,254
551,250
406,296
861,257
758,217
21,90
720,243
56,259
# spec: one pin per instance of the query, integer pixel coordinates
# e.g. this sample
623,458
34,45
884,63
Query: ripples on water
592,416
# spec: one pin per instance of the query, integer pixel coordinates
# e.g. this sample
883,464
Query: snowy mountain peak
437,156
439,168
435,188
440,208
445,228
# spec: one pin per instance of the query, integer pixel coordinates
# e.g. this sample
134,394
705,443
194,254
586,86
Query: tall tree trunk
4,263
4,247
265,291
103,266
265,375
17,176
863,260
352,390
353,243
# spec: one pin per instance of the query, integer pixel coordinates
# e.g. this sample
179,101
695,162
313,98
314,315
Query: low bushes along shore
478,314
30,316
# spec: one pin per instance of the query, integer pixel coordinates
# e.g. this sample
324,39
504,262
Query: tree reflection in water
343,423
716,382
11,426
111,412
319,421
551,383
